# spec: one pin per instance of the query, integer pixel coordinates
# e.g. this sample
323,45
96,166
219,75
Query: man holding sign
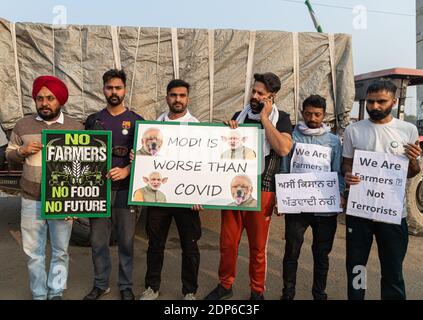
316,150
159,218
121,122
383,134
277,130
49,94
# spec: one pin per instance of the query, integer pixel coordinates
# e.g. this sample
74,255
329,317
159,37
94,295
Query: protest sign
74,183
380,194
180,165
308,192
309,158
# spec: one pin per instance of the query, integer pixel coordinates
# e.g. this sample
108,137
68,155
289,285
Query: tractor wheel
415,204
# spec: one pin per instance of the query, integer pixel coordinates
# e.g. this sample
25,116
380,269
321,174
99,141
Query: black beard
51,116
114,103
175,110
256,106
378,115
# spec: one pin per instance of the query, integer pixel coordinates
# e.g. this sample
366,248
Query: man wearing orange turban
49,94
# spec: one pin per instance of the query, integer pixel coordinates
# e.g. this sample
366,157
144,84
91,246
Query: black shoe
96,293
286,297
256,296
56,298
127,294
220,293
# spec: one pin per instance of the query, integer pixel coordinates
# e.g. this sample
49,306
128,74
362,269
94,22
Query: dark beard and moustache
177,108
256,106
114,100
378,115
50,116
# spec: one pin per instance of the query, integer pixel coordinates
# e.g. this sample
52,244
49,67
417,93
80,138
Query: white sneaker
149,294
189,296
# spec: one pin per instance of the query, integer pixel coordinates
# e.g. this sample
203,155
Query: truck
218,63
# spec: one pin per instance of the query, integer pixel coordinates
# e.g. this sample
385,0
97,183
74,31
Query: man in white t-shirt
187,220
380,133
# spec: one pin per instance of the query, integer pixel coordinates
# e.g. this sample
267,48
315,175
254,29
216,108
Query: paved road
14,278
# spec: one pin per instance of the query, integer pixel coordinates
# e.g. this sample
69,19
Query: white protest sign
380,194
308,158
207,164
308,192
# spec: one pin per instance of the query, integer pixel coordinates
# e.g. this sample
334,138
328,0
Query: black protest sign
75,165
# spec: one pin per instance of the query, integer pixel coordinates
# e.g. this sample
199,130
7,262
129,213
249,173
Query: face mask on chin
313,125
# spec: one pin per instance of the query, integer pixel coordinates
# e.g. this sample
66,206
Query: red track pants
257,225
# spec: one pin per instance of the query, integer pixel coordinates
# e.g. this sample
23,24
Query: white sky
387,40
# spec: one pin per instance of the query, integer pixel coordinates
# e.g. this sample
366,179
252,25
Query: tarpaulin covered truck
219,64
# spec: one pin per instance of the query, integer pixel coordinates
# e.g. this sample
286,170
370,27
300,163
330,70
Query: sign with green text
75,165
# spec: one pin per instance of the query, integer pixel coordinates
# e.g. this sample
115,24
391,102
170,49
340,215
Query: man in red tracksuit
277,131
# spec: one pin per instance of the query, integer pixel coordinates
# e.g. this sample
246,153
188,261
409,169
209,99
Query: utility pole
314,17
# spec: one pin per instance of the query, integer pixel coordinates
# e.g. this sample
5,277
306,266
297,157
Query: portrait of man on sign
241,190
151,192
237,150
152,141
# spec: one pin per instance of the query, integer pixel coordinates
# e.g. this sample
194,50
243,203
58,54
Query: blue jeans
123,222
34,239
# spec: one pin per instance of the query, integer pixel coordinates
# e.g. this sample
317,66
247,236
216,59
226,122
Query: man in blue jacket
311,131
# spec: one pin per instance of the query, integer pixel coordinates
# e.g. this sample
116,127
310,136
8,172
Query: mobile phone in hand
261,103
